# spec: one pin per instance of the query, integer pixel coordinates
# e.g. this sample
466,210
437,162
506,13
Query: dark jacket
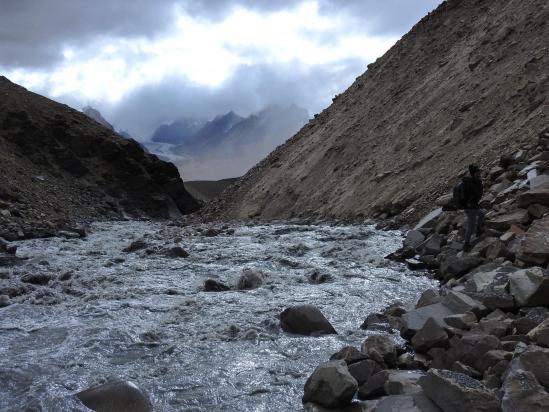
473,192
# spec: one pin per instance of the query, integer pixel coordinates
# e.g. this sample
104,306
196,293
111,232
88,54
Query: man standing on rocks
472,193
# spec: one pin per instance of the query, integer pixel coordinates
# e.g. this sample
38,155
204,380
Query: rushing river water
143,316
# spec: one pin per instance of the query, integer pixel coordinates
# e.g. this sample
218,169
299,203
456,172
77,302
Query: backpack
459,197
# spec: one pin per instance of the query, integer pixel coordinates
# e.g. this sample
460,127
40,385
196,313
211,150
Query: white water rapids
144,317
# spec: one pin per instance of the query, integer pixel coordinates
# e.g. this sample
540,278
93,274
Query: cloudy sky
143,62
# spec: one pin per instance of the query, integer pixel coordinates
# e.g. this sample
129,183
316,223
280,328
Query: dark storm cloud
249,90
34,32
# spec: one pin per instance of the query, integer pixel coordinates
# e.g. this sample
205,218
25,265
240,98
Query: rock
538,182
466,370
428,297
318,278
176,252
117,396
4,301
458,266
504,222
211,232
212,285
491,358
413,238
460,303
445,201
522,392
375,321
363,370
534,245
471,347
330,385
407,361
416,402
135,246
36,278
538,211
375,386
415,264
429,220
403,382
429,336
305,320
432,245
535,359
383,346
453,391
495,327
529,287
349,354
538,196
462,321
250,279
68,234
415,319
540,334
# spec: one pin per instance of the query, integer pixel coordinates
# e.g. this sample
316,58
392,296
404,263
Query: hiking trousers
475,220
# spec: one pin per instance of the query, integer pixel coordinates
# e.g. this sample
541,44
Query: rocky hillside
467,84
59,167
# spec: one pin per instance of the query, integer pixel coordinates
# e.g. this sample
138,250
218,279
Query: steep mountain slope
58,167
178,131
467,84
97,116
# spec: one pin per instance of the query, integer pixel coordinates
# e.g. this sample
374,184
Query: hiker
472,193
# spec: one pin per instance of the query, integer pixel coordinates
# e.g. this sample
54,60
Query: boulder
416,402
363,370
538,196
540,334
529,319
429,221
504,222
460,303
403,382
380,345
250,279
522,392
135,246
538,211
36,278
455,266
330,385
349,354
456,392
432,245
429,336
462,321
428,297
535,359
305,320
4,301
375,386
538,182
176,252
415,319
413,238
491,358
471,347
529,287
212,285
466,370
115,396
534,245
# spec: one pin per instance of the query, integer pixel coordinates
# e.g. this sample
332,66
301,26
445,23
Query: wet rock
135,246
318,278
529,287
330,385
381,346
453,391
429,336
118,396
36,278
534,245
460,303
4,301
415,264
432,245
375,321
68,234
363,370
176,252
455,266
374,386
250,279
211,232
428,297
305,320
403,382
212,285
522,392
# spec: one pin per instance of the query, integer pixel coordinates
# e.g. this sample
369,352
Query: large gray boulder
461,303
455,266
115,397
529,287
429,336
534,244
429,220
504,222
415,319
250,279
330,385
305,320
381,347
538,196
413,238
522,392
456,392
416,402
540,334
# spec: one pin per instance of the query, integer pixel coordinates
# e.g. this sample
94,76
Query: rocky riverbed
127,302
